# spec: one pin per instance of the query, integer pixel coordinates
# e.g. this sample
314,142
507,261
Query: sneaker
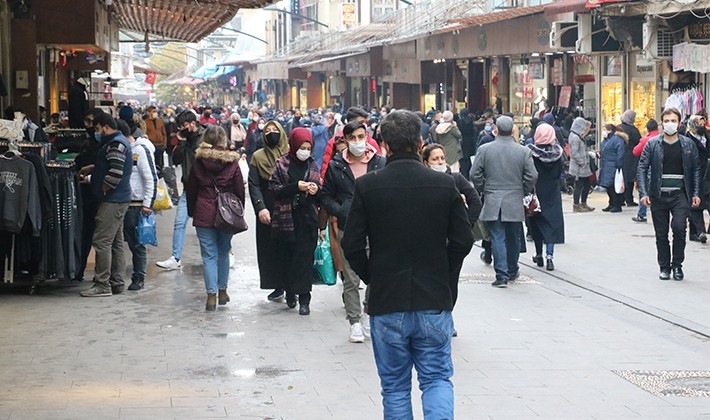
365,322
94,291
356,335
117,289
276,294
170,264
486,258
703,238
639,219
136,285
500,283
232,261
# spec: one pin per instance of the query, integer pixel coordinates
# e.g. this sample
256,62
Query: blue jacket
650,168
320,140
122,193
612,158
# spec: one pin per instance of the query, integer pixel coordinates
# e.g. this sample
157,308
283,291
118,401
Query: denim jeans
421,339
181,219
505,246
140,255
214,247
549,248
662,208
642,209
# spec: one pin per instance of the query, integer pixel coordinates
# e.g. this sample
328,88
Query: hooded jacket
184,153
449,136
213,167
143,176
612,158
579,158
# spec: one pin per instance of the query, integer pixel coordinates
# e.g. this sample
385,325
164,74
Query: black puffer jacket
650,168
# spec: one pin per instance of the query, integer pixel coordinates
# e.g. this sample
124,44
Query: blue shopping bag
146,231
323,268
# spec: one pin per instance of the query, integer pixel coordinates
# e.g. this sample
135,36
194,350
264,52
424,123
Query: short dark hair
652,125
401,131
186,116
355,112
150,108
94,112
105,120
671,110
123,128
352,126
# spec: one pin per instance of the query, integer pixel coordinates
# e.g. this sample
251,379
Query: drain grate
480,278
670,383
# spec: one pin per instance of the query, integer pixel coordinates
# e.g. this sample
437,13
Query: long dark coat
630,161
612,158
549,224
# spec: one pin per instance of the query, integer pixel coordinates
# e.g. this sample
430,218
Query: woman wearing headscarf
236,131
579,164
294,223
548,225
448,135
269,254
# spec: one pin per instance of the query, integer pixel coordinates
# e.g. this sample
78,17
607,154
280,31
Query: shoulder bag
230,212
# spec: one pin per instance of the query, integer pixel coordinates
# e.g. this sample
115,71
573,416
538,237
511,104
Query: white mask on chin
438,168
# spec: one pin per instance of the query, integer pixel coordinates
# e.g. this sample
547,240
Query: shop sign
699,31
543,32
349,15
565,96
557,73
482,39
92,58
595,3
643,65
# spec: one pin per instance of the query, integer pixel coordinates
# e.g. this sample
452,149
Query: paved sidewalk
543,348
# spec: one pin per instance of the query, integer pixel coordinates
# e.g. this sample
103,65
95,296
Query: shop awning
206,71
222,71
325,59
485,19
191,81
185,20
566,6
238,59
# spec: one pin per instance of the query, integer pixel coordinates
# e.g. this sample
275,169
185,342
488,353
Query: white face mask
670,128
357,148
439,168
261,126
303,154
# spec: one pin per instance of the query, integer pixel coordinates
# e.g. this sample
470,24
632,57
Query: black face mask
185,132
272,139
701,131
235,122
297,118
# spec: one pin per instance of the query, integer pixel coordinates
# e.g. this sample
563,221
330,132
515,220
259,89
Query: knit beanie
126,113
628,117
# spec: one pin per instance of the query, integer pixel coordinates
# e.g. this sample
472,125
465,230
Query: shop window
612,65
528,90
381,8
612,102
643,101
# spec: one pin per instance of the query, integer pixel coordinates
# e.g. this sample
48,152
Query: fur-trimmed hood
206,151
624,136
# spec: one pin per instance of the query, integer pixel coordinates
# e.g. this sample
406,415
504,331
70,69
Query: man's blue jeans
642,209
505,246
421,339
214,246
181,219
138,250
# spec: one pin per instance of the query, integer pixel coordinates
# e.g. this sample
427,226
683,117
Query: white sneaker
356,335
169,264
365,321
232,261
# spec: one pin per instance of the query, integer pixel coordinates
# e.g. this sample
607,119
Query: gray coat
505,172
578,156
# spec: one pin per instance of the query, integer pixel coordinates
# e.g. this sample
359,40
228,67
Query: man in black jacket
336,197
669,181
418,233
628,118
697,133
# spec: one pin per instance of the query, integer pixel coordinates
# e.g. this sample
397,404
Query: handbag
593,164
531,204
230,212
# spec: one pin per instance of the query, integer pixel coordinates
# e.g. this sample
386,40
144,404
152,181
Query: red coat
220,165
638,149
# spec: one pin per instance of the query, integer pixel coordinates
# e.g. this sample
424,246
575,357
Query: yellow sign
429,101
349,14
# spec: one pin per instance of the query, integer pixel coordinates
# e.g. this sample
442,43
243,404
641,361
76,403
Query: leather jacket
650,168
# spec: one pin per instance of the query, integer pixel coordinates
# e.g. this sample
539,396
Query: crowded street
599,338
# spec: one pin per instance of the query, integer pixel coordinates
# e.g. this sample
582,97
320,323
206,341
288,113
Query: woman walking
269,255
612,160
579,164
215,169
294,223
448,135
547,226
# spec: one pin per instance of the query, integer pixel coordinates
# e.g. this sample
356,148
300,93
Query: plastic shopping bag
619,185
323,268
146,231
162,197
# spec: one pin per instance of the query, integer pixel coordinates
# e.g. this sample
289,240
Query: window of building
381,8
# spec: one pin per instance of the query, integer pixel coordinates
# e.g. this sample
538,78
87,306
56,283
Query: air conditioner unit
584,31
563,35
657,43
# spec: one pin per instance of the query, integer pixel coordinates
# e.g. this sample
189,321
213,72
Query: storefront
529,88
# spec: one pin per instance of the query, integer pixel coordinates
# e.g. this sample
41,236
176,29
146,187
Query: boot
586,207
223,297
577,208
211,304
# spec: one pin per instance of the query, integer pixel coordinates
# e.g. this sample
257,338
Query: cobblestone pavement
599,338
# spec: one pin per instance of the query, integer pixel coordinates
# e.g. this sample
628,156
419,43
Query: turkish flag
150,77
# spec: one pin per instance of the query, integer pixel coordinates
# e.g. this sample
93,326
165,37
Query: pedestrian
155,131
697,133
548,225
628,118
353,114
189,137
269,253
320,140
468,140
294,222
358,159
611,156
236,134
449,136
110,180
412,264
256,139
216,169
579,164
669,181
651,132
144,179
504,171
